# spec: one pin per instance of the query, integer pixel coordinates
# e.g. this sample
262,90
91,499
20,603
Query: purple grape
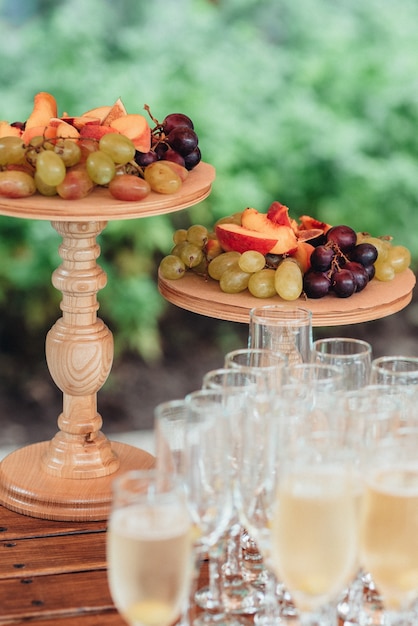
364,253
371,271
193,158
176,119
342,236
160,149
343,283
172,155
321,258
183,140
316,284
145,158
359,272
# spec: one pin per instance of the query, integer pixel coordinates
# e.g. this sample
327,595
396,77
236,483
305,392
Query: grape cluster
346,262
72,168
174,140
197,249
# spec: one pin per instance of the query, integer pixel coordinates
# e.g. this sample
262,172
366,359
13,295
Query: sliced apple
7,130
233,237
135,127
259,222
116,111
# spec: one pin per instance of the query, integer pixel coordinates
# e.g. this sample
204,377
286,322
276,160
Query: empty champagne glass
149,547
395,370
354,356
282,328
170,419
209,480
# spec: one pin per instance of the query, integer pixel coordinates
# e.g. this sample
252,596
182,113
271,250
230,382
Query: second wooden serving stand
70,477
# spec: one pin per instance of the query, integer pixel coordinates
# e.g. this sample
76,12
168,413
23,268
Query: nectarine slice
95,131
99,112
7,130
233,237
63,129
259,222
49,132
44,107
135,127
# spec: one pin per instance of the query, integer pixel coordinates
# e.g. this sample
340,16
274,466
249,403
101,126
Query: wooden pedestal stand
69,477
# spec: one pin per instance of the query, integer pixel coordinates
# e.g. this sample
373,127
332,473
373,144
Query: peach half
233,237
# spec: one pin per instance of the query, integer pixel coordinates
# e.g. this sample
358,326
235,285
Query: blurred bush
313,103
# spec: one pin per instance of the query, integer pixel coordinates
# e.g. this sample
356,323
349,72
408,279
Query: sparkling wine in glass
149,547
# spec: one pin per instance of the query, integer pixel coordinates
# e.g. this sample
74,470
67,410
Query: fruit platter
104,163
341,275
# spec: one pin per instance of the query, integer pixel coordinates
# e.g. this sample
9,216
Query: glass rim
364,347
293,314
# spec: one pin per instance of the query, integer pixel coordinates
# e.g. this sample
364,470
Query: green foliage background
310,102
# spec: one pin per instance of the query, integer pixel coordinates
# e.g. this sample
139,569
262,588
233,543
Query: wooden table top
54,573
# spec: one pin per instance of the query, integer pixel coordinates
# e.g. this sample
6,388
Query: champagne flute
238,388
389,525
314,524
354,356
210,488
282,328
149,547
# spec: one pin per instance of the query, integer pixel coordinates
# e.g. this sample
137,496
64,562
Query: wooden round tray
100,205
204,296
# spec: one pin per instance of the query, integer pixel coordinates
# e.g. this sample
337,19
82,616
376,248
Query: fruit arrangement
107,146
272,254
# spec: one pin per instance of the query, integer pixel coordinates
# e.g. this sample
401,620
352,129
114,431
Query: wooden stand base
26,488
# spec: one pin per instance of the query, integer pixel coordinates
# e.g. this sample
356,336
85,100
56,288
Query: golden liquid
389,534
149,565
315,537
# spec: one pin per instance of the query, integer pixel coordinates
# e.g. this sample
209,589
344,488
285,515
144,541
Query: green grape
234,280
180,235
384,270
262,283
198,235
179,247
235,218
100,167
119,147
399,258
288,280
69,151
162,178
16,184
191,255
50,167
252,261
172,267
12,150
43,188
222,262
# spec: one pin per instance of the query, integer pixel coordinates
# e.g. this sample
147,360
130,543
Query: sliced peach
44,107
302,255
279,214
233,237
49,132
116,111
259,222
95,131
135,126
307,222
80,121
7,130
63,129
99,112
